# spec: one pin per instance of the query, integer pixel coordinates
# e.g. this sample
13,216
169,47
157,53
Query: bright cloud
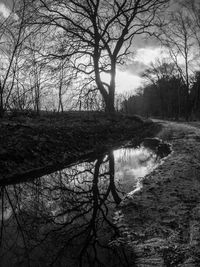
125,81
5,11
148,55
130,79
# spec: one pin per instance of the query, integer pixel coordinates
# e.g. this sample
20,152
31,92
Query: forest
166,96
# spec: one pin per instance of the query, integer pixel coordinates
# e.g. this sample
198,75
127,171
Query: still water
65,218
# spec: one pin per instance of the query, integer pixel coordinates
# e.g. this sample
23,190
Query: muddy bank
161,222
31,146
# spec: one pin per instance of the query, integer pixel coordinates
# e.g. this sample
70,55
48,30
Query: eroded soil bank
31,146
161,222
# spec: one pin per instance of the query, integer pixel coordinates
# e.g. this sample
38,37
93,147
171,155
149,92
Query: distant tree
98,34
121,101
192,8
63,84
165,94
177,36
195,94
12,35
35,79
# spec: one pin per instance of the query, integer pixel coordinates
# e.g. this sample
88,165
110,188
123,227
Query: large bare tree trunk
109,104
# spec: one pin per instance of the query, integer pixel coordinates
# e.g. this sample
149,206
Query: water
65,218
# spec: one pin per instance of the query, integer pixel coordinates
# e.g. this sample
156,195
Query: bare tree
33,76
160,75
61,75
98,34
12,36
177,37
192,8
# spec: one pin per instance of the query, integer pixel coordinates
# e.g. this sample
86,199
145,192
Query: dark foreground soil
161,222
31,146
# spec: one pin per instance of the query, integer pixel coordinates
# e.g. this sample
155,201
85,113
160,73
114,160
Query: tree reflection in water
63,219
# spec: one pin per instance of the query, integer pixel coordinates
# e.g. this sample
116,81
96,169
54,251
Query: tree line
172,85
166,96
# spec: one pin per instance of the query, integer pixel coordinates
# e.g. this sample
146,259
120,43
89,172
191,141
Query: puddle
131,165
65,218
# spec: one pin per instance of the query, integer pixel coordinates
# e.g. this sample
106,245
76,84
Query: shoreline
161,222
32,147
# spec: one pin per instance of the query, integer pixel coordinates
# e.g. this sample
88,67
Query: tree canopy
97,35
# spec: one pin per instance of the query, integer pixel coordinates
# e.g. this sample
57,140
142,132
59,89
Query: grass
166,134
31,143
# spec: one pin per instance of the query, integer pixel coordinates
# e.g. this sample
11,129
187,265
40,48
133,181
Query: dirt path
161,223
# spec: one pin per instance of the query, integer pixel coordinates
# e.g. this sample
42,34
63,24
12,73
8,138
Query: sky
4,8
128,79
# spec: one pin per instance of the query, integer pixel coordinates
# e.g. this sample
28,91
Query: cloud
144,42
127,82
136,67
150,54
144,57
4,10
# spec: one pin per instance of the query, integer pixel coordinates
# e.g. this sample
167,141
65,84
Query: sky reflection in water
133,164
65,218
